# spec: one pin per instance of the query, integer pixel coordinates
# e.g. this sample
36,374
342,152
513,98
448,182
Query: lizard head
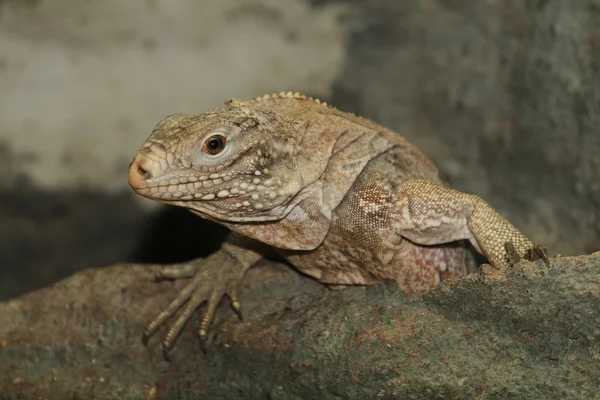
241,163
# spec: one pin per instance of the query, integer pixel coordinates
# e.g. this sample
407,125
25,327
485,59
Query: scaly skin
343,199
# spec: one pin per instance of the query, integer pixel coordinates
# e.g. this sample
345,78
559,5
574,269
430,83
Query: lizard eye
214,144
213,148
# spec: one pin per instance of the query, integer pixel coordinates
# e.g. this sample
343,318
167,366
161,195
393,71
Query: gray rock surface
532,333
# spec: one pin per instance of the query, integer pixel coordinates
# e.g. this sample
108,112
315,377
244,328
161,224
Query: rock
532,332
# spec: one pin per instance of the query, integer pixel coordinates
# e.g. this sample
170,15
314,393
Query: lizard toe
177,271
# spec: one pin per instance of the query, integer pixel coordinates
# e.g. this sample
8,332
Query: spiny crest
281,95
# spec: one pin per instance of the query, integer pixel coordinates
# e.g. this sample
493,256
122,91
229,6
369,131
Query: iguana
343,199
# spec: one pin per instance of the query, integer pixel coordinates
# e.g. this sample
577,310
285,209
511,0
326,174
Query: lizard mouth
144,178
190,188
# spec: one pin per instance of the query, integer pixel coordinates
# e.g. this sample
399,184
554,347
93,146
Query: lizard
343,199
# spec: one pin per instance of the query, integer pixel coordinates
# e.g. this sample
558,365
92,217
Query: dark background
504,96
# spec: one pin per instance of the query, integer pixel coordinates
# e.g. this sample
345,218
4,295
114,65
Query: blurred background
503,95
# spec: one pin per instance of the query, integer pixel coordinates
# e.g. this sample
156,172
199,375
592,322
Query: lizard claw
238,310
145,337
234,290
537,252
165,354
511,253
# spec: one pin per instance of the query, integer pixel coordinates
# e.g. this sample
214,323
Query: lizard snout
139,172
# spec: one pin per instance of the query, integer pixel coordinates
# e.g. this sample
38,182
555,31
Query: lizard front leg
429,213
213,277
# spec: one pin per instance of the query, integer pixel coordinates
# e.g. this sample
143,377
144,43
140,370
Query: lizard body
342,198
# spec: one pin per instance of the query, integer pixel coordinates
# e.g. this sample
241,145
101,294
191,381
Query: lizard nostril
144,172
139,173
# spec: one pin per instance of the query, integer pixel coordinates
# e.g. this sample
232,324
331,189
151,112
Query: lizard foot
536,252
211,279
